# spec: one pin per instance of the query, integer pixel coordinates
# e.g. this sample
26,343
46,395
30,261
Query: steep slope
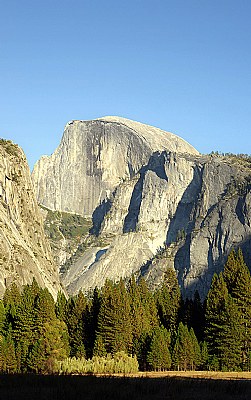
24,250
189,211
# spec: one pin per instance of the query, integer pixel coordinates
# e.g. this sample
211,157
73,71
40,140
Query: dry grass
195,375
168,386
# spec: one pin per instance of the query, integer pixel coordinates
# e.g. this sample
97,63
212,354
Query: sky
183,66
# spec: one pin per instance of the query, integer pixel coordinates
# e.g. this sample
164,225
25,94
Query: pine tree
204,355
99,347
183,356
11,301
158,357
168,299
8,362
114,322
92,321
223,327
150,311
144,317
51,347
123,325
12,295
24,326
76,311
195,350
2,318
238,280
61,307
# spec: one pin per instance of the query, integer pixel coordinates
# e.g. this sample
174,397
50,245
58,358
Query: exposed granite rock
24,250
190,215
157,200
93,158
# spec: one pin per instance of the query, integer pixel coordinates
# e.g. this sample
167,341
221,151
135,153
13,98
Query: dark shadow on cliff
98,216
202,284
156,164
183,223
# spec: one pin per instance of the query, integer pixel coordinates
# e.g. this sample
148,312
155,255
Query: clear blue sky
181,65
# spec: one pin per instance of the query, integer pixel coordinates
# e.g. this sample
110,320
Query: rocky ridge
24,250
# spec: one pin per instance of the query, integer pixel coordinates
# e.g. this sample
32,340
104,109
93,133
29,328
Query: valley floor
168,385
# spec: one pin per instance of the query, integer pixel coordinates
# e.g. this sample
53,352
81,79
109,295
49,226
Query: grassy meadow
154,386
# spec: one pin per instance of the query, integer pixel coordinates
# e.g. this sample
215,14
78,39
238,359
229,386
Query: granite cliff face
154,200
93,158
24,250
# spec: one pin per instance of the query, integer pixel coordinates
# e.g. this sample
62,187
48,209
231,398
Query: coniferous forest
124,327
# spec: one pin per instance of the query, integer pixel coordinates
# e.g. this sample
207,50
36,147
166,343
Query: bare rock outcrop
24,250
93,158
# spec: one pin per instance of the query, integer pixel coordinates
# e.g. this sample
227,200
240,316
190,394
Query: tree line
126,326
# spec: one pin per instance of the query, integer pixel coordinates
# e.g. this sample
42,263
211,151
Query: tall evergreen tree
61,307
186,352
223,325
168,300
158,357
238,280
92,324
76,311
144,316
114,321
8,363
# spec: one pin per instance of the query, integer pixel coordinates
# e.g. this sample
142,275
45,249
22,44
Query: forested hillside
125,326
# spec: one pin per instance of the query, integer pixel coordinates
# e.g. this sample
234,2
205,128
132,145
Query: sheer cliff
93,158
154,200
24,251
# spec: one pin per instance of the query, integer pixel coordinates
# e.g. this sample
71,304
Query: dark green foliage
186,352
99,349
204,356
168,299
77,307
36,333
238,280
114,321
61,307
158,357
69,225
8,362
223,326
192,314
33,338
92,324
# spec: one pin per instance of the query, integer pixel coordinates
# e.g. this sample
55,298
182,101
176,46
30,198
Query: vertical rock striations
24,251
93,158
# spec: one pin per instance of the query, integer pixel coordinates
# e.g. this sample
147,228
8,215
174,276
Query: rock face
93,158
152,197
24,250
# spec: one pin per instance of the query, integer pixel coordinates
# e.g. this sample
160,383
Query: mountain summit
94,157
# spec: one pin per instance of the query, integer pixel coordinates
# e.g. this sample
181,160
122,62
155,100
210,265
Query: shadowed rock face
24,251
149,193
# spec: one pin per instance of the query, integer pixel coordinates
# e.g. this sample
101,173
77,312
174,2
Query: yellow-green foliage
10,147
119,363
